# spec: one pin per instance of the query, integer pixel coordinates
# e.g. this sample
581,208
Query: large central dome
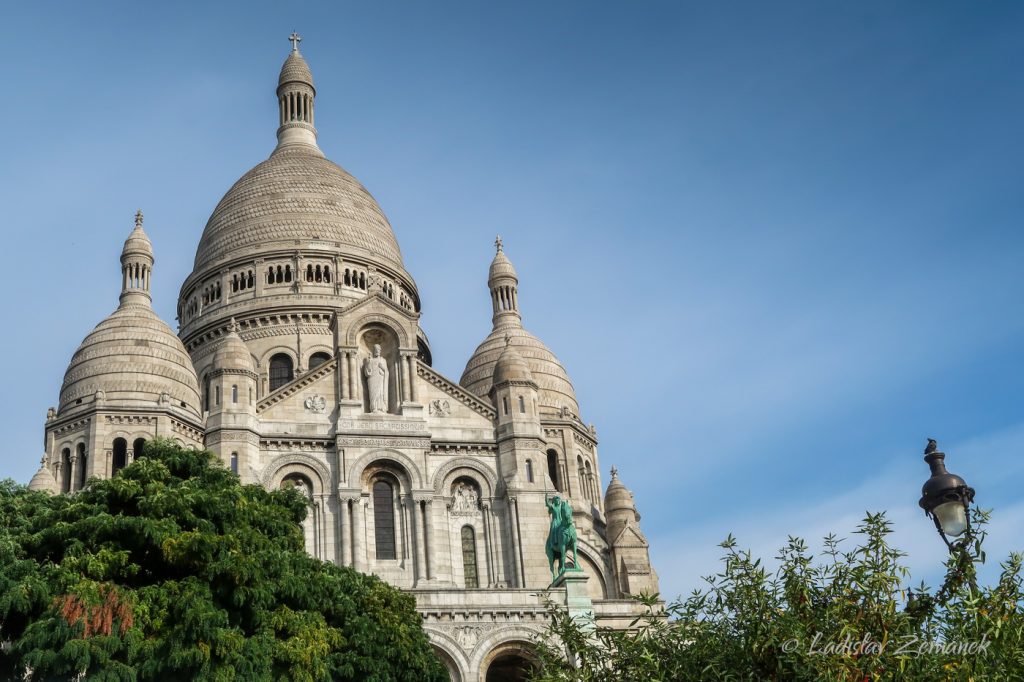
296,197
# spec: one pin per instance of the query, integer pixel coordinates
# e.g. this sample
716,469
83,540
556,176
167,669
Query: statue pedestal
577,599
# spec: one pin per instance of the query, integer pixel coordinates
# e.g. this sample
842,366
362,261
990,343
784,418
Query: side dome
134,358
511,366
43,480
554,389
297,196
232,353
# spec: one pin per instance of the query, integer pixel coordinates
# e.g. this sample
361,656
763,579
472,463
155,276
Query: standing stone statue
376,372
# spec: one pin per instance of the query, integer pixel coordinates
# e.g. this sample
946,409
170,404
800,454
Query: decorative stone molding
315,403
455,391
445,470
297,385
129,420
359,442
456,448
296,444
71,426
587,444
282,461
439,408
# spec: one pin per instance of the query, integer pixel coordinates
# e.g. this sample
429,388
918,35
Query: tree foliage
172,570
844,616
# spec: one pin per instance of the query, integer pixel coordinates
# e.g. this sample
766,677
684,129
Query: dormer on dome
232,353
295,97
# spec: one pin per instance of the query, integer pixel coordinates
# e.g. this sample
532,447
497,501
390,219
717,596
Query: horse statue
561,536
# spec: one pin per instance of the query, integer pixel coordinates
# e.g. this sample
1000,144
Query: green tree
173,570
844,616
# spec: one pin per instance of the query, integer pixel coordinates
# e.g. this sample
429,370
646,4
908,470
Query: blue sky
776,245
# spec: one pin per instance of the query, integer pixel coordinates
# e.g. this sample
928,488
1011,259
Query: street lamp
945,497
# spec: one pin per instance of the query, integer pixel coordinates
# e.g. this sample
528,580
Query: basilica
300,361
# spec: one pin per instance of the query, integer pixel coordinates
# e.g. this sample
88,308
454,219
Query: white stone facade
441,491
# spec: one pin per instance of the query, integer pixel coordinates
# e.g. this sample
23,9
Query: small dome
501,266
232,353
618,498
43,481
138,243
133,357
511,366
295,70
554,387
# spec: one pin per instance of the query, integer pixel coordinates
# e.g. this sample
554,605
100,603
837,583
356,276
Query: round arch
446,646
447,473
598,584
285,464
358,326
508,660
403,462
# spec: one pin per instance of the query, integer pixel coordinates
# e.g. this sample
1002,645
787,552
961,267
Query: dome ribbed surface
295,69
554,387
297,196
133,357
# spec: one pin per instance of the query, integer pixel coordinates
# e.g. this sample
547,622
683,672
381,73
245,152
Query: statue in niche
300,485
376,372
465,498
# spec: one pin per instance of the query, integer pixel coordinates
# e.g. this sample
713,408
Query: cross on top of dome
497,242
138,218
296,39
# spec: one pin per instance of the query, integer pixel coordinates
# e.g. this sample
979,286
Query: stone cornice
297,385
456,391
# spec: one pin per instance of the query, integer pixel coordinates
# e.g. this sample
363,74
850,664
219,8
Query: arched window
327,274
287,273
206,393
504,403
529,471
139,448
65,459
384,519
582,474
469,557
309,273
234,463
120,457
234,394
216,395
81,466
317,359
590,482
553,469
281,371
522,405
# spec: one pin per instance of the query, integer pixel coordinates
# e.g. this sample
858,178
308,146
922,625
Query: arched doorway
510,662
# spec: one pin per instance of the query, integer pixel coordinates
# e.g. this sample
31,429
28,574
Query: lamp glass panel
952,517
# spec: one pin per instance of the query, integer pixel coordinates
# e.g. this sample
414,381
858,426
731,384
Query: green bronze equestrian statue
562,535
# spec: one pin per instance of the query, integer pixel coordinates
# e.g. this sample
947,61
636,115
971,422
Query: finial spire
138,218
497,243
615,472
295,38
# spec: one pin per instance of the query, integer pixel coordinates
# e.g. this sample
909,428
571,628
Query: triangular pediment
319,380
629,536
452,391
376,302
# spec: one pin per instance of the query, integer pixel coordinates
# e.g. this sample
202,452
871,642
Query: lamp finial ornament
931,447
296,39
615,472
138,218
497,243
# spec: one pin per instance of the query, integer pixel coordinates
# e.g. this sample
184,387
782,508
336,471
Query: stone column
419,536
343,372
428,533
359,536
412,379
344,532
513,518
257,268
488,554
73,486
406,389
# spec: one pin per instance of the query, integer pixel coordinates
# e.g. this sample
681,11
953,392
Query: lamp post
945,497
